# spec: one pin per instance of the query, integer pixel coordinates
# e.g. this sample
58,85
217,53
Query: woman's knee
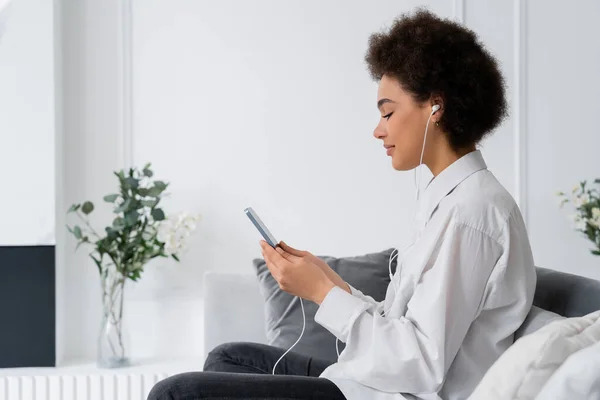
234,352
221,353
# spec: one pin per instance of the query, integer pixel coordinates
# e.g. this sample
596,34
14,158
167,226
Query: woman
461,289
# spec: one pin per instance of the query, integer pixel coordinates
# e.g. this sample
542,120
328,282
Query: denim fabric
244,371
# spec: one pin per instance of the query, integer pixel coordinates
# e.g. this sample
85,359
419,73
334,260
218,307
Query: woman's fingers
273,255
291,250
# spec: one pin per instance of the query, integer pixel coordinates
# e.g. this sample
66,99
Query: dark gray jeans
243,371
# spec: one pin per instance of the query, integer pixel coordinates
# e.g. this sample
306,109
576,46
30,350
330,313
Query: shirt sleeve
412,353
364,297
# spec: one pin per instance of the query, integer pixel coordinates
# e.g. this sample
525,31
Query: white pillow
578,378
523,369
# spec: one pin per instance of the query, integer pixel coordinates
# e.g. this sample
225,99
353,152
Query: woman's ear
437,100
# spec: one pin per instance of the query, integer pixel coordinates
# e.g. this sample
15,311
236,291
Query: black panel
27,306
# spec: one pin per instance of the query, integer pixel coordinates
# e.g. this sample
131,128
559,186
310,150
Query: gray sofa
233,305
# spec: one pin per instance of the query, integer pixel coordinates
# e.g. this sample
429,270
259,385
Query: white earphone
435,108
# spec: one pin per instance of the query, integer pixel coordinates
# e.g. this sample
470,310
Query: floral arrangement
139,232
586,218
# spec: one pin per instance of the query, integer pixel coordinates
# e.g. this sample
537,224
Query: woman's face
402,124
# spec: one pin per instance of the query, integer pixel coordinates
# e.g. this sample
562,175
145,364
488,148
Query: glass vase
112,343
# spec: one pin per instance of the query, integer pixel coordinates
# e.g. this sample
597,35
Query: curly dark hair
433,56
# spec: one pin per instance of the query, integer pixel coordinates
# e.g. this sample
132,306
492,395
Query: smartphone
264,231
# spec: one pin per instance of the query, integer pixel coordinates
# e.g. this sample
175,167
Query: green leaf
87,207
118,223
120,175
158,214
74,208
150,203
131,183
85,239
596,252
77,232
147,171
123,207
98,263
111,233
160,184
131,218
154,192
136,204
157,189
175,257
111,198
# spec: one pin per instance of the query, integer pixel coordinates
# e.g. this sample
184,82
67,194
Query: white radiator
134,386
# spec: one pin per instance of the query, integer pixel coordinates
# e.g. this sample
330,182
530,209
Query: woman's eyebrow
383,101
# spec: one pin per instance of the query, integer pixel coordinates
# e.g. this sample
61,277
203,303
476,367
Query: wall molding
520,104
127,83
458,10
59,181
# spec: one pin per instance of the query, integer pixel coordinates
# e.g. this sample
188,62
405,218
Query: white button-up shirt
463,289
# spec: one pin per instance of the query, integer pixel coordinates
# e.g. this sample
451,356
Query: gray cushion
368,273
566,294
536,319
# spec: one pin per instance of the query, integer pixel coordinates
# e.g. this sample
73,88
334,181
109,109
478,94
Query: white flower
579,223
595,221
576,188
581,200
175,231
145,183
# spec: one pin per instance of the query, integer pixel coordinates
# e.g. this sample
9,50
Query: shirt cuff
338,310
355,291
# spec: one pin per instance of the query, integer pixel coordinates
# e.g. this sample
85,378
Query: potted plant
138,233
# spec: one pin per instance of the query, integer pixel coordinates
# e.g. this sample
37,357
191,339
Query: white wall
562,131
89,148
269,104
27,125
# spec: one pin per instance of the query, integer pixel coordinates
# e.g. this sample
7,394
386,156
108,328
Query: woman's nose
379,133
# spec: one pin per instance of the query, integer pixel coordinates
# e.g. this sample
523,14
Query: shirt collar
447,180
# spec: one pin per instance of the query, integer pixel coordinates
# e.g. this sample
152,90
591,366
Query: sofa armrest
566,294
233,309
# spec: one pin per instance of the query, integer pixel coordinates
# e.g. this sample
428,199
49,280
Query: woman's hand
297,275
331,274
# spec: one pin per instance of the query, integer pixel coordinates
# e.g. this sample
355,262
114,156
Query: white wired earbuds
300,337
434,109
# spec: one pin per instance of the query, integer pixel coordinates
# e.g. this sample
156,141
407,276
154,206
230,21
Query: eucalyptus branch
86,221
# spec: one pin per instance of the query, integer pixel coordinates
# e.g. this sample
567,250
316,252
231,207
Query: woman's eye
387,116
